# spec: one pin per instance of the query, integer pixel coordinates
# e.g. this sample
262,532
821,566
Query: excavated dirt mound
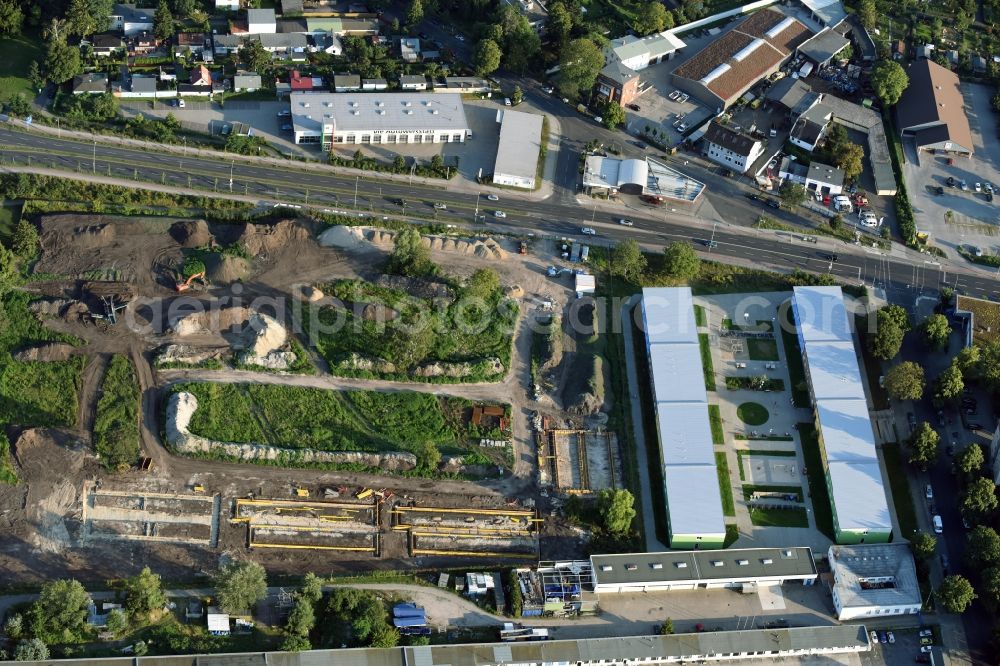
378,312
259,239
224,268
54,351
213,321
48,307
307,293
191,233
514,291
187,355
351,237
94,235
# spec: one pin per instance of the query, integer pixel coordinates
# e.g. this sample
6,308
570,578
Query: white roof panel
847,431
693,500
859,496
218,622
677,373
520,143
821,315
833,368
668,315
685,434
356,111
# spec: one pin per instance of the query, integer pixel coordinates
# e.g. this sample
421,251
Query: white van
938,525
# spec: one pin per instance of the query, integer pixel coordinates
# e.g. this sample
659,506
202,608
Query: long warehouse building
843,425
691,483
518,150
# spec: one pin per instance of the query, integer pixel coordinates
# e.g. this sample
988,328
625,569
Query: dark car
922,659
709,243
286,128
951,181
638,144
400,201
752,197
727,173
284,113
634,107
828,256
774,203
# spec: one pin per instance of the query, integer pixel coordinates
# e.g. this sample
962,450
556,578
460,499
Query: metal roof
847,431
693,500
352,111
676,373
830,12
702,565
668,315
686,437
824,46
520,143
833,371
859,496
821,315
852,565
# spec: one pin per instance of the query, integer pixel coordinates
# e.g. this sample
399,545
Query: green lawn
715,420
906,513
779,517
761,349
796,370
817,479
725,486
700,318
10,213
7,474
706,361
753,413
16,54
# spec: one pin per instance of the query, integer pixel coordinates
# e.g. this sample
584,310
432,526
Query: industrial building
649,177
691,483
932,110
691,570
518,150
356,118
847,443
874,581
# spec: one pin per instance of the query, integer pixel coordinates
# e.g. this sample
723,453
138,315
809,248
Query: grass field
725,486
16,54
715,420
779,517
760,349
700,318
816,473
116,427
706,361
753,413
902,499
10,213
796,370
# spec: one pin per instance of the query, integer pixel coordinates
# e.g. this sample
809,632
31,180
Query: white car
598,119
493,197
548,90
978,187
587,231
682,127
926,648
929,492
683,98
625,222
926,633
440,206
499,213
180,103
506,101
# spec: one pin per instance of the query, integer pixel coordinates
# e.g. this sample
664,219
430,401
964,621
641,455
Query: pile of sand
226,268
340,236
514,291
187,355
95,235
191,233
263,335
53,351
352,237
213,321
259,239
307,293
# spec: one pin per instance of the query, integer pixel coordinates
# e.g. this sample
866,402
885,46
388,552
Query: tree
936,331
163,21
100,11
409,256
24,242
889,80
652,17
239,585
970,459
295,643
949,385
483,285
580,63
792,194
302,619
988,367
612,114
967,361
144,594
667,627
35,75
31,649
312,588
59,615
384,636
891,324
955,594
979,498
924,445
11,18
984,546
521,44
849,158
627,260
184,8
517,96
14,626
117,623
923,545
681,261
559,23
81,21
62,61
414,13
905,381
617,509
486,57
18,106
256,57
868,13
56,31
428,455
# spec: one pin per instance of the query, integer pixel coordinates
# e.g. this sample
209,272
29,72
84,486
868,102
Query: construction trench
467,532
310,525
578,462
150,516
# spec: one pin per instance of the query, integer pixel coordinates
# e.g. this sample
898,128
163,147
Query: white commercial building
853,476
729,148
693,569
517,152
691,483
358,118
638,53
874,581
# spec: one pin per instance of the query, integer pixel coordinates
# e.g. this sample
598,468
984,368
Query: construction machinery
198,488
184,285
364,493
301,492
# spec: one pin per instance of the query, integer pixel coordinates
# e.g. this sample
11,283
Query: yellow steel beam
469,553
470,536
369,549
472,512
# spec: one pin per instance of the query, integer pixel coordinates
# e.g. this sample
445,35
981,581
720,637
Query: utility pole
93,164
356,179
231,167
711,243
475,215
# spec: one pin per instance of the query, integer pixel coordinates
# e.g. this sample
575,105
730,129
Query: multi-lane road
556,215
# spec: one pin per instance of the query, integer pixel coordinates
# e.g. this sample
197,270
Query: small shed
585,284
218,622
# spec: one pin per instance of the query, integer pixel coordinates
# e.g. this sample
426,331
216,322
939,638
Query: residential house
106,44
200,76
299,83
346,82
638,53
261,21
731,149
464,84
92,83
816,177
409,49
358,27
325,43
131,20
617,83
374,84
195,43
227,44
138,85
932,110
227,5
978,64
413,82
246,82
283,45
810,127
142,43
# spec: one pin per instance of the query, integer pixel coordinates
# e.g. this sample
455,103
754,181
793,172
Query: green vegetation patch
791,517
706,361
732,534
753,413
793,356
10,213
715,420
902,499
762,349
700,317
725,486
759,383
16,54
7,473
116,426
816,473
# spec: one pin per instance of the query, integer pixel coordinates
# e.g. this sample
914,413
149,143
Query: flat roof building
694,569
649,177
874,581
353,119
518,150
843,425
695,517
824,47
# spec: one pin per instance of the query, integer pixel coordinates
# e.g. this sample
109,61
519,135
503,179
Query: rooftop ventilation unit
681,565
434,112
767,560
630,567
606,567
657,565
718,563
353,103
409,112
379,104
406,104
743,563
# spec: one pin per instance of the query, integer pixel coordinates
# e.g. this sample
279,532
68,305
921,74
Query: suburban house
227,5
810,127
359,27
261,21
815,177
729,66
325,43
131,20
413,82
92,83
195,43
932,110
105,44
200,76
346,82
137,85
226,44
374,84
409,49
617,83
142,43
246,82
464,84
283,44
731,149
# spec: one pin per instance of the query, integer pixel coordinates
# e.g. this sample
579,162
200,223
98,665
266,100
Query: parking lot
959,217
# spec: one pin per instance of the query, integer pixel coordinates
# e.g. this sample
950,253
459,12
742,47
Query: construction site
150,516
578,462
468,532
310,525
